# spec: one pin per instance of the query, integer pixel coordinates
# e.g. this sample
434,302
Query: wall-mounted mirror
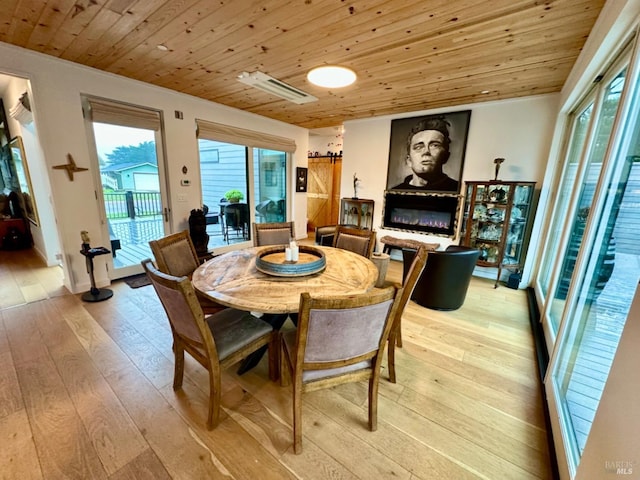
24,179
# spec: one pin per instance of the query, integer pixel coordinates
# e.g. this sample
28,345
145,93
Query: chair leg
178,371
285,365
297,418
373,401
274,357
399,333
391,358
214,399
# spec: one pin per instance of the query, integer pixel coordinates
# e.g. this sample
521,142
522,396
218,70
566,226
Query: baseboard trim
542,356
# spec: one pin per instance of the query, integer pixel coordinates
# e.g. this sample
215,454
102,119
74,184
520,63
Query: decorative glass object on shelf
497,221
357,212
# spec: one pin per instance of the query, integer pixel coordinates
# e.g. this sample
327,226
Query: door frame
136,268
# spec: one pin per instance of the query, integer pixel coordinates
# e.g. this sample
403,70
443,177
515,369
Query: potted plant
234,195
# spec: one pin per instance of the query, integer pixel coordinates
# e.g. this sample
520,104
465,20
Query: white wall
35,162
518,130
326,140
56,89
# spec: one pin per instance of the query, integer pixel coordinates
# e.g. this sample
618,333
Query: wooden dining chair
216,341
339,339
360,241
176,255
273,233
409,282
325,234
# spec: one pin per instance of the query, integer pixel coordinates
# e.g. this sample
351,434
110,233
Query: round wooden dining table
233,280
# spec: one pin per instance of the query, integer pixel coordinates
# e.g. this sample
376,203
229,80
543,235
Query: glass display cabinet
357,212
497,221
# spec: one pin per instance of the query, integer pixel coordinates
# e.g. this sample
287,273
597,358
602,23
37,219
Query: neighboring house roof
120,167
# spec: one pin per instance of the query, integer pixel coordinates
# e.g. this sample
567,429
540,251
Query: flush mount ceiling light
162,47
331,76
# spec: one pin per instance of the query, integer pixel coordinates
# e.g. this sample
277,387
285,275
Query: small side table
95,294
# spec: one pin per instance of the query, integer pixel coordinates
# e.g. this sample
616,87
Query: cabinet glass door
520,211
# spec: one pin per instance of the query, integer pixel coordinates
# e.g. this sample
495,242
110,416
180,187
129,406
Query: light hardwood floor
85,393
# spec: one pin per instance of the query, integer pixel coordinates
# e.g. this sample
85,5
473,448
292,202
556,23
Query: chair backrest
356,240
325,235
412,275
342,334
187,320
275,233
175,254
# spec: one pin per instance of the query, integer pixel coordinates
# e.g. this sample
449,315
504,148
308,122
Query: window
587,189
580,125
257,165
589,272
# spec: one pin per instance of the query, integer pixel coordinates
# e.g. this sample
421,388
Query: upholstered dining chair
216,342
360,241
409,282
325,235
339,339
274,233
176,255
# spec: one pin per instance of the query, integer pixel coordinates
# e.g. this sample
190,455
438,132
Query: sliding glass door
591,267
255,164
270,185
563,195
224,167
589,180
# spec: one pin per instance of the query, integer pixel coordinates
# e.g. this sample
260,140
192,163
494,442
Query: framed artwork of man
301,179
427,153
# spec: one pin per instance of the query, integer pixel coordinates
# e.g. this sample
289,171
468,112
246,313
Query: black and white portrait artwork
427,153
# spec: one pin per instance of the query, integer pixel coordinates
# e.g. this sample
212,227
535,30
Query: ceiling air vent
275,87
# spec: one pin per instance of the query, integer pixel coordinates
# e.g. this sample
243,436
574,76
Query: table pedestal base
276,320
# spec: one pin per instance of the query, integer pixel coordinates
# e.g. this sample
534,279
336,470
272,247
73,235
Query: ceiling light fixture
331,76
162,47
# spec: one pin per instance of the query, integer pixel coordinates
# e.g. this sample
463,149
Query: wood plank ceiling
409,54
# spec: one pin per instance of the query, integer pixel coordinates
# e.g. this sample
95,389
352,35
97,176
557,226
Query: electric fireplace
435,214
